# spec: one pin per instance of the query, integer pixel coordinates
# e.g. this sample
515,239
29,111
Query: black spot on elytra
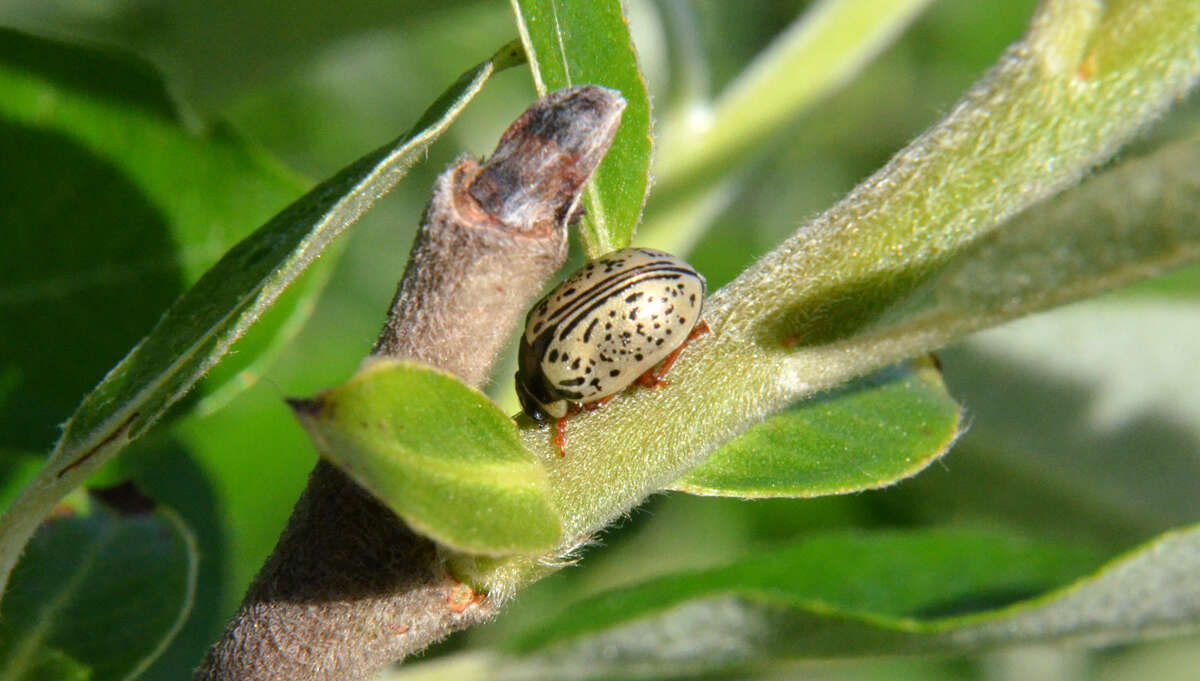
637,357
575,364
587,335
553,356
632,297
614,373
578,380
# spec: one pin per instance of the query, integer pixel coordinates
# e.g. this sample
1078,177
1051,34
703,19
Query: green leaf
200,327
439,454
99,592
832,595
269,336
581,43
113,207
892,580
1133,221
870,434
853,594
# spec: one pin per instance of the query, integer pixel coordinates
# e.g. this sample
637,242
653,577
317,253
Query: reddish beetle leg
560,436
593,406
560,426
653,378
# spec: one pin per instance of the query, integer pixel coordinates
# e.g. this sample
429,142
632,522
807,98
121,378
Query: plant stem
349,588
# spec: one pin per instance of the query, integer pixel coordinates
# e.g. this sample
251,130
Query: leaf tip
510,55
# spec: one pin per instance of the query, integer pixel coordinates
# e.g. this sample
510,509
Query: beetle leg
560,436
593,406
653,378
560,425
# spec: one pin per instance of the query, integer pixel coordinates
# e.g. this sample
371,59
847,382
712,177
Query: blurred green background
1084,424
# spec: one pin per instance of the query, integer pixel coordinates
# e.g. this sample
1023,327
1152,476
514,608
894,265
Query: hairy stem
349,588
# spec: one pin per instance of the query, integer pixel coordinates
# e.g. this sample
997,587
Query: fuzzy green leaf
439,454
866,594
97,596
1133,221
581,43
856,594
203,324
870,434
832,595
844,584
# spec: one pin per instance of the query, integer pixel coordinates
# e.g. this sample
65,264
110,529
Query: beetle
604,327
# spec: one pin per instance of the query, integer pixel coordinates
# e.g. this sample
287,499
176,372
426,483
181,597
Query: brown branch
349,588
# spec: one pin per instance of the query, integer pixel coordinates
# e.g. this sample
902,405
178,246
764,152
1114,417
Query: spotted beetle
605,327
